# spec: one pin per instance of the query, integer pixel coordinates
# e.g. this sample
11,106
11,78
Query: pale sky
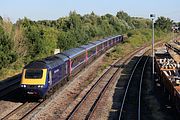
54,9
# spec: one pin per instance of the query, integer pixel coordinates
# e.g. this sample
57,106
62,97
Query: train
40,76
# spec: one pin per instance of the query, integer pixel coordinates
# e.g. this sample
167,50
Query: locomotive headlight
23,86
178,82
40,86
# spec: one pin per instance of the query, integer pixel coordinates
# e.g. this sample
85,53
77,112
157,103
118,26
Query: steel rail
125,94
72,113
95,104
128,84
19,108
140,90
15,111
70,116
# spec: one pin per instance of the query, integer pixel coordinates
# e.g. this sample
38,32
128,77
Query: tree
19,40
7,56
66,40
41,41
141,22
164,24
179,25
75,20
1,19
124,16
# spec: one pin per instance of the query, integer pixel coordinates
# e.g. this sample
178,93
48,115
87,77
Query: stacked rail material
169,76
174,50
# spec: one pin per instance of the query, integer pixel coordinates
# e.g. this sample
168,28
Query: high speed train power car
38,77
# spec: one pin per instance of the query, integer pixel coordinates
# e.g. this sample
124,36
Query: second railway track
88,104
91,99
86,114
22,111
131,102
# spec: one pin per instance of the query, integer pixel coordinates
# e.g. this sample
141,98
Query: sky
54,9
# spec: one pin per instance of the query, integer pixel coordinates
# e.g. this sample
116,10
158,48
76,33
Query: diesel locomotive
38,77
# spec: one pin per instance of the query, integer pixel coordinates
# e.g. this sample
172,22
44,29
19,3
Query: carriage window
100,47
33,74
91,52
78,60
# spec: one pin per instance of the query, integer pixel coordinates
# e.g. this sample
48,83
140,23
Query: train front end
34,79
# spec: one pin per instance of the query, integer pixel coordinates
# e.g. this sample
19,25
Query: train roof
88,46
62,57
96,42
111,37
73,52
36,64
119,36
53,61
50,61
104,40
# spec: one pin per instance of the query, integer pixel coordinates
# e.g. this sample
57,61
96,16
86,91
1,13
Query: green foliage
141,23
1,19
65,40
7,56
178,24
28,40
124,16
164,24
40,41
74,20
139,37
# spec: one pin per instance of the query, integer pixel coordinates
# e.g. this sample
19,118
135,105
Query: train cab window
33,74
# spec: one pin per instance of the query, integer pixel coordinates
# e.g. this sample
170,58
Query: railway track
88,104
173,48
7,86
96,92
22,111
131,103
27,108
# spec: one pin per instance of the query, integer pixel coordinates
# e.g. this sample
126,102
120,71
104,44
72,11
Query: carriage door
50,77
67,67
